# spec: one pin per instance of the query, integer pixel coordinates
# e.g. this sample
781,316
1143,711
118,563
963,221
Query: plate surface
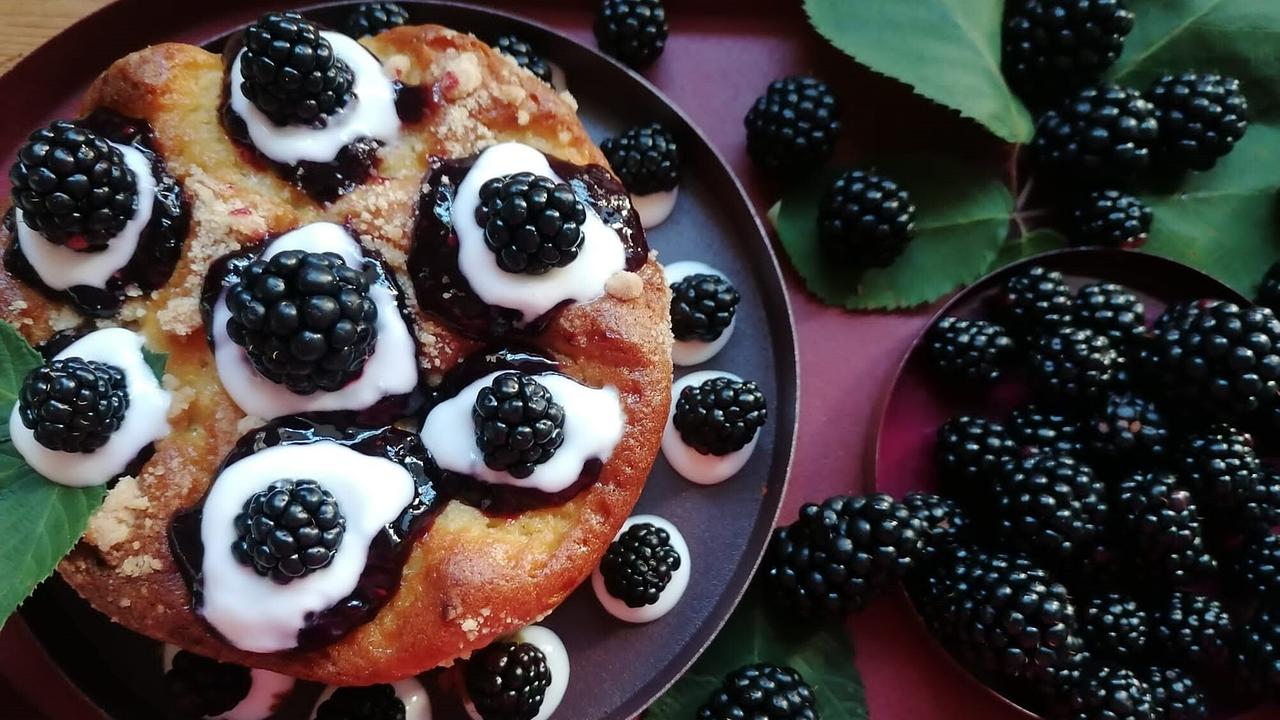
918,401
617,669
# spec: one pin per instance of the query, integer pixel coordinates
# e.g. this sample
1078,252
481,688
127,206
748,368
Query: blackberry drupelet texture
971,453
1115,626
1050,505
633,31
720,416
865,220
943,523
1075,366
838,556
525,56
373,702
1258,652
637,567
73,405
305,320
972,350
1105,693
290,72
1161,520
1175,694
73,187
1111,218
197,686
1035,301
531,222
1129,430
1193,630
646,159
1202,116
760,691
508,681
1041,428
792,127
1220,466
702,307
289,530
1112,310
1053,46
373,17
1256,571
1102,134
1259,515
518,424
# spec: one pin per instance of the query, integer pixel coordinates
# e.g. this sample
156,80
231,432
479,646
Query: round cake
359,257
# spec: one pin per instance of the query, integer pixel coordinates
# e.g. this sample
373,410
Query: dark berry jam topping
159,245
443,291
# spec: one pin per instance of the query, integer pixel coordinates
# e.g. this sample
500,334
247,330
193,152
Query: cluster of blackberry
1099,138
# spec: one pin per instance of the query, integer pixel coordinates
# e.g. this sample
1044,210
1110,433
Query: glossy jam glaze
159,245
390,547
444,292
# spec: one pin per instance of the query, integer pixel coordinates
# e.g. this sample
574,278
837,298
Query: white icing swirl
266,690
417,704
593,425
655,208
691,464
253,612
557,656
370,114
145,420
582,280
669,596
693,352
60,267
392,369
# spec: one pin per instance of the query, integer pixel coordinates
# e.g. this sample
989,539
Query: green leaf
823,657
961,223
1224,221
1033,243
947,50
17,358
156,361
1233,37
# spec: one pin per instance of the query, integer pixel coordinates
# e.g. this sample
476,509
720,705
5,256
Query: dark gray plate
617,669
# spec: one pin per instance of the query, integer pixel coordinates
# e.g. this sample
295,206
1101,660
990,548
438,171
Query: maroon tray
617,669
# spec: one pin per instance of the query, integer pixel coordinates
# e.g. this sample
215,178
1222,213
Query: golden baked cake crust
472,577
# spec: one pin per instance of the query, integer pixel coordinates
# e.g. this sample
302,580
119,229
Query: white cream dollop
582,280
670,595
691,464
392,369
145,420
417,704
60,267
370,114
655,208
693,352
266,690
253,612
557,656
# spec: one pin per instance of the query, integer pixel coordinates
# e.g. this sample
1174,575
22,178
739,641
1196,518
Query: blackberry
372,702
1259,515
1074,365
793,126
1202,116
646,158
531,222
1258,651
840,555
720,416
943,524
1115,626
1175,694
525,56
638,565
1220,466
865,220
73,187
1050,505
1217,357
1164,524
1105,693
197,686
1111,310
1039,428
291,73
1100,134
73,405
1194,630
1269,288
1035,301
973,350
971,452
1130,430
508,681
289,530
1110,218
372,18
518,424
702,307
1256,571
1053,46
761,691
633,31
305,320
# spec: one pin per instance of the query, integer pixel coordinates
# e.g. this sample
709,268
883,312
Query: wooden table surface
24,24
